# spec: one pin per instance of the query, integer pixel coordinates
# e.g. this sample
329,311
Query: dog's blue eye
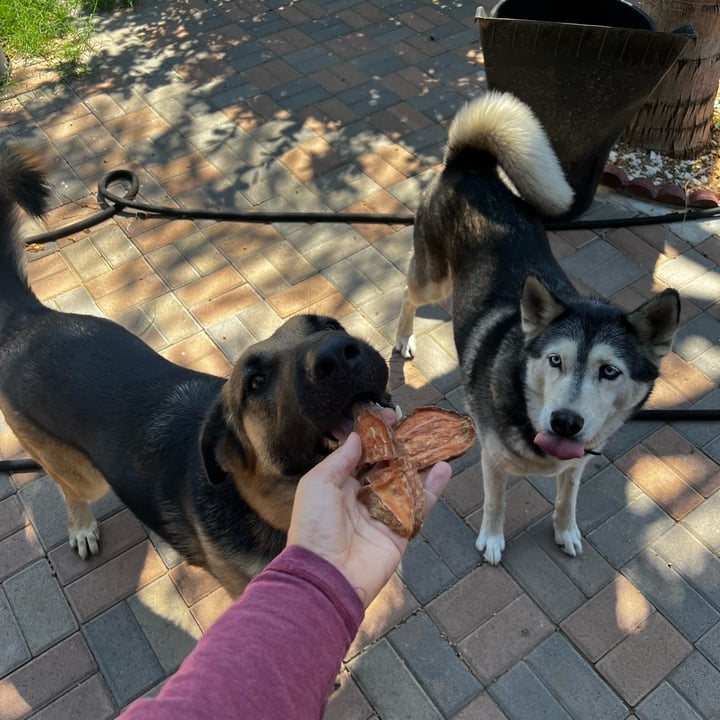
555,361
609,372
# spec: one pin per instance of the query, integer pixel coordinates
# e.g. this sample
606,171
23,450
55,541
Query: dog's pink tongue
560,448
342,430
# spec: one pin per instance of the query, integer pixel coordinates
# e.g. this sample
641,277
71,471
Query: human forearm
273,655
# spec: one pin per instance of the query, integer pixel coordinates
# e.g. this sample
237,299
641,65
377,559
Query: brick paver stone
40,607
670,593
690,558
464,494
451,538
644,657
123,654
390,686
665,703
443,676
541,578
6,486
192,582
709,644
504,639
18,550
603,621
118,533
687,461
574,681
165,621
702,522
424,571
390,607
627,532
40,681
14,648
347,702
656,477
211,607
44,503
699,681
12,516
473,600
114,580
483,706
524,506
522,696
589,571
89,699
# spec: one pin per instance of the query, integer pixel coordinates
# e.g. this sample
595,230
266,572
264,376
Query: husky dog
548,375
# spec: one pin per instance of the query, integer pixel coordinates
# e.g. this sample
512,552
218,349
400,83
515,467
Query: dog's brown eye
256,383
555,360
609,372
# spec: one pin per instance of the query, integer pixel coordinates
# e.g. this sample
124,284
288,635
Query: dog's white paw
406,346
85,540
492,544
569,540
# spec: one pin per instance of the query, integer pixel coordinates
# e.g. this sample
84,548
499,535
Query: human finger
339,465
435,481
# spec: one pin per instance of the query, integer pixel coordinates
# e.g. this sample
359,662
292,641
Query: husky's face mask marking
580,396
588,366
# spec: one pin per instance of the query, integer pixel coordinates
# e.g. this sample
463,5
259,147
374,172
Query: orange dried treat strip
429,434
376,435
393,489
394,495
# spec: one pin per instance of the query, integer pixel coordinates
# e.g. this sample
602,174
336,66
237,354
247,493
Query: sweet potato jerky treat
392,488
394,495
377,442
429,434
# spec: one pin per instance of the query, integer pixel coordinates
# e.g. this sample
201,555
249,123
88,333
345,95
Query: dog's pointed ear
655,323
213,438
538,306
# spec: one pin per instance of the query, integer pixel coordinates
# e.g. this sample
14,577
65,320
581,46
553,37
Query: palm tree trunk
678,117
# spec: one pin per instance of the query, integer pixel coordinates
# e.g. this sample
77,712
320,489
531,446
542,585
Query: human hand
328,519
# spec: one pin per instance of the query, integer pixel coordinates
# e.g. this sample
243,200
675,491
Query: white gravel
700,172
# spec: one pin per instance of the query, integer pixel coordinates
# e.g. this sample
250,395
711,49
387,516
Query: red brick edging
616,178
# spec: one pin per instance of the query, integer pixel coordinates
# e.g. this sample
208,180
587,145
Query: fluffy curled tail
500,124
22,184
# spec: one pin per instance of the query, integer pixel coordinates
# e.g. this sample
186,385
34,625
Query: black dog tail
22,184
504,127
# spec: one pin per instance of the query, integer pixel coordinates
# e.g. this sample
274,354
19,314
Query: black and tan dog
209,464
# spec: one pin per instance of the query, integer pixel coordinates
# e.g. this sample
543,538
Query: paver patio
338,106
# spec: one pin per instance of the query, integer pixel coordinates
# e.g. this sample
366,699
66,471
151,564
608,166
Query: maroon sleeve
273,655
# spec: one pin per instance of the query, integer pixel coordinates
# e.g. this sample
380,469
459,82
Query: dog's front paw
569,540
492,544
85,540
406,346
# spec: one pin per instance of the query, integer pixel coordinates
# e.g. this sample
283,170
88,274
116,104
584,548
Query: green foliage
56,31
94,6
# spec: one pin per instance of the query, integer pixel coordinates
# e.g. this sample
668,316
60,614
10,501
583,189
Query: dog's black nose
337,352
566,423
